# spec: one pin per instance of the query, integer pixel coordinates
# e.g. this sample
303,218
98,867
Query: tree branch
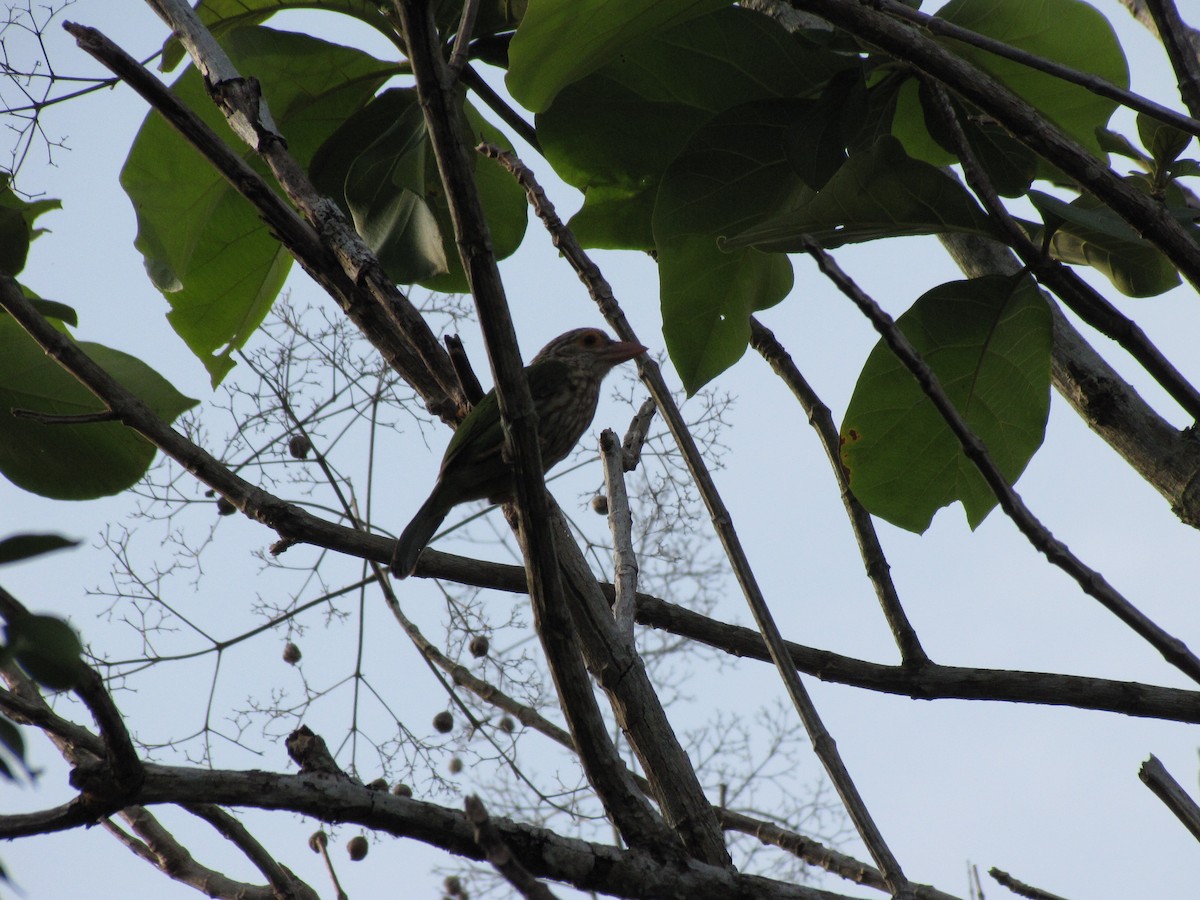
627,807
823,743
1156,777
1165,457
874,560
1080,297
328,249
1096,85
1146,216
1184,60
1092,582
545,854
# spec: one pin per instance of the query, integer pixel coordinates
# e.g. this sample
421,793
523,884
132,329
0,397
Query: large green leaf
47,648
203,245
561,41
988,341
380,167
73,462
613,133
734,168
1165,142
919,126
16,225
1087,232
20,547
1067,31
881,192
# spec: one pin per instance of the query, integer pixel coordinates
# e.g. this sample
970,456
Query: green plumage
564,382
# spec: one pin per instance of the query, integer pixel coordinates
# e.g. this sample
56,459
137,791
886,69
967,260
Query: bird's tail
416,536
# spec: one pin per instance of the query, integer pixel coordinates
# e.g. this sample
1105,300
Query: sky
1050,795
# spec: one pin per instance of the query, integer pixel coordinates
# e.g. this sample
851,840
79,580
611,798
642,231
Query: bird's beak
620,351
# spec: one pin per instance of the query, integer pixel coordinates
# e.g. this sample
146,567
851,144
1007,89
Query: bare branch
874,560
684,806
1020,888
620,522
1156,777
588,866
1184,59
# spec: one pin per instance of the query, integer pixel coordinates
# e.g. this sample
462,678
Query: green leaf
1165,142
916,131
26,546
13,744
16,225
561,41
73,462
1185,168
613,133
1009,164
1088,233
380,167
504,205
1067,31
52,309
1116,143
203,244
733,169
878,193
48,649
988,341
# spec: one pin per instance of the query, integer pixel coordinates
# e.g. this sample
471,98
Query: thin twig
319,842
1020,888
1092,582
874,559
620,523
636,434
468,382
815,853
162,850
462,40
49,419
500,107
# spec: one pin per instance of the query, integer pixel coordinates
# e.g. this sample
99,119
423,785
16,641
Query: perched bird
564,380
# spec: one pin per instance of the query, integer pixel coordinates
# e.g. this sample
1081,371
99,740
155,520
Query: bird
564,382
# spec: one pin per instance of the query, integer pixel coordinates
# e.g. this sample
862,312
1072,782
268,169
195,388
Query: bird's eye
589,339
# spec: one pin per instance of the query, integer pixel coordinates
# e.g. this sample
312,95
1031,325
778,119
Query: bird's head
589,349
